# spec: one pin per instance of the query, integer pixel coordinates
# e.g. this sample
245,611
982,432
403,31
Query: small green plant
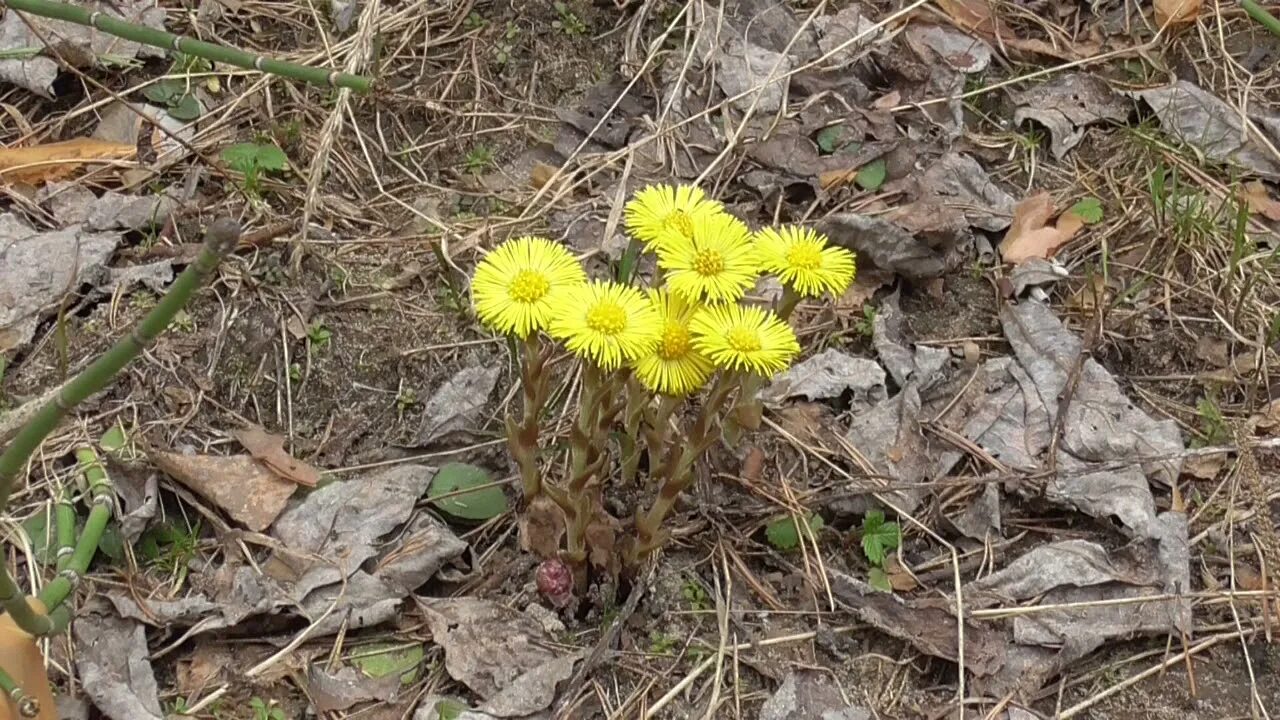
253,159
319,334
878,538
175,96
569,23
866,325
177,706
694,594
661,643
478,158
784,534
405,399
170,548
505,47
295,372
265,710
474,21
1213,426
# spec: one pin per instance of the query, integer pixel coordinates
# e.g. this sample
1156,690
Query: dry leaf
541,174
25,664
36,164
1031,236
752,464
542,527
865,284
1176,12
238,484
1204,467
1260,202
974,15
270,450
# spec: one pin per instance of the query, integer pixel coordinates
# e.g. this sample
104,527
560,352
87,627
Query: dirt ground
349,312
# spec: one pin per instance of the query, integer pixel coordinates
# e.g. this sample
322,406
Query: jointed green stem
220,238
65,524
24,702
1259,13
87,546
190,46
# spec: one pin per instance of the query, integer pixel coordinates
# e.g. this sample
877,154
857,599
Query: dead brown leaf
241,486
865,284
1174,13
1031,236
542,527
53,161
974,15
1204,467
752,464
269,449
541,174
1260,202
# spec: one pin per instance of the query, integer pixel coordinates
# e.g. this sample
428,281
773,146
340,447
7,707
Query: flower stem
677,471
633,424
522,436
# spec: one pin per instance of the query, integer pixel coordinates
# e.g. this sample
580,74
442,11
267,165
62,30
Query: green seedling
474,21
879,537
784,534
569,23
694,594
264,710
252,160
319,334
1213,426
661,643
505,47
478,158
866,325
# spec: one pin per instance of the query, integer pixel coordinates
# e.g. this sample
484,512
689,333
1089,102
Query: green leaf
188,108
783,533
879,580
828,139
165,91
271,157
39,530
114,439
878,536
450,709
383,659
241,156
482,504
111,544
871,176
1088,209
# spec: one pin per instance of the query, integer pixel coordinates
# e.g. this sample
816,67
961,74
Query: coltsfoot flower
658,213
674,367
514,282
744,338
606,323
717,262
804,261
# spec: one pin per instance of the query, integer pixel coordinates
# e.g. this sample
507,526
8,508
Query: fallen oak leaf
52,161
1260,202
269,449
1175,13
1031,236
245,489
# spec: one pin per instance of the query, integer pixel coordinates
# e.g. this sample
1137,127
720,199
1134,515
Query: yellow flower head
514,282
717,263
804,261
606,323
674,367
659,212
744,337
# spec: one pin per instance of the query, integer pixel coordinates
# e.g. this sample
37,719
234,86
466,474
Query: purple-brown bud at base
555,582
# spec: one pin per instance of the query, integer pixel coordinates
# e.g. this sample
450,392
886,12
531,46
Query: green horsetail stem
103,499
1259,13
99,20
219,239
65,524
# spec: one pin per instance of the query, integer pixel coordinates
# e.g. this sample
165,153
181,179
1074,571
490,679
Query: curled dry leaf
1174,13
54,161
1031,236
1260,201
269,449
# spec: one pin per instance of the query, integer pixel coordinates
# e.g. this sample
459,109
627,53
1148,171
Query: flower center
708,262
804,256
744,339
679,221
675,342
528,286
607,318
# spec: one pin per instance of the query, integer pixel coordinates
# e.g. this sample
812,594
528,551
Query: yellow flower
514,282
804,261
606,322
659,212
744,337
674,367
718,262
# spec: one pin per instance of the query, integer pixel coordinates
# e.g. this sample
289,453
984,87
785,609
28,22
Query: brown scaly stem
220,238
637,408
522,435
589,438
748,411
677,472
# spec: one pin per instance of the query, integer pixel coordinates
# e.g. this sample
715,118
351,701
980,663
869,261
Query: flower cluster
673,336
647,345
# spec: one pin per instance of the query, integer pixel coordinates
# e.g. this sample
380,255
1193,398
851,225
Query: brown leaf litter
39,164
268,448
247,490
1031,236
